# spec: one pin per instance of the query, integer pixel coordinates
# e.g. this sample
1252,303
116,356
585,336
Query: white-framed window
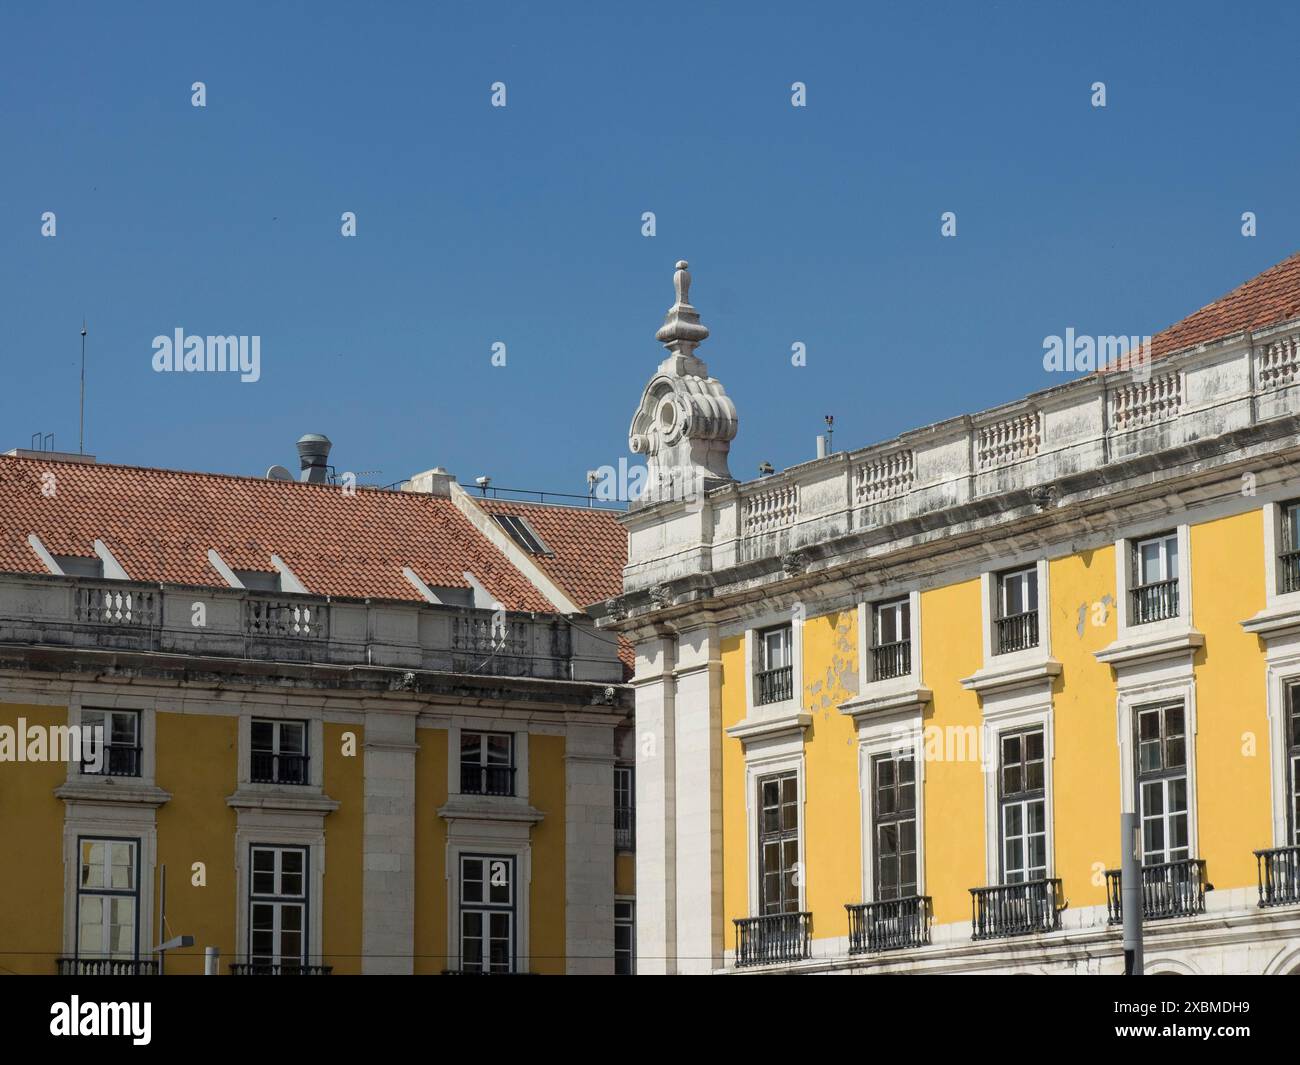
624,937
624,808
778,844
1155,567
893,823
1022,805
108,899
278,752
487,763
487,913
1288,556
891,638
1291,727
774,677
1017,611
122,754
1160,745
277,908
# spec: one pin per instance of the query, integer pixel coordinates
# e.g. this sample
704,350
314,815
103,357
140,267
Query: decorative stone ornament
685,423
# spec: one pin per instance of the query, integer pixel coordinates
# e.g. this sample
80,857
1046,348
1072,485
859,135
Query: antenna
81,421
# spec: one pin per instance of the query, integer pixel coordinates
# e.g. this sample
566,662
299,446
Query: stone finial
682,330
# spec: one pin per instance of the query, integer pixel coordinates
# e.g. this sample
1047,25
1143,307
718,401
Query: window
778,844
487,913
279,752
1155,590
108,899
624,808
891,633
1017,611
624,938
1022,807
775,676
523,534
118,731
80,565
277,909
487,765
256,580
1162,783
1289,557
893,789
1293,763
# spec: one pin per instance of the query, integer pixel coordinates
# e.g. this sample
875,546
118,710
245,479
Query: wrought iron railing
774,685
1154,602
288,968
478,779
118,761
894,924
1016,632
778,937
1279,876
106,967
1289,565
267,767
1169,889
1016,909
892,659
624,827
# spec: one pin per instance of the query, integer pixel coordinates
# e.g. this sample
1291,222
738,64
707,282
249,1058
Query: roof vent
314,454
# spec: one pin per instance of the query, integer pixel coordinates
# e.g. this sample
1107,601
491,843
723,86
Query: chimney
314,454
436,481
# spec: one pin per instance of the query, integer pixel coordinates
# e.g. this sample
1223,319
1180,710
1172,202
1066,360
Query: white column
589,849
656,874
698,713
388,844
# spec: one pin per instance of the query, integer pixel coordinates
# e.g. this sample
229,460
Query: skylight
521,533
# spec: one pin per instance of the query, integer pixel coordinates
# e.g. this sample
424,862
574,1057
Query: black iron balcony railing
1154,602
778,937
1015,909
1169,889
476,779
1279,876
895,924
106,967
286,968
774,685
1289,564
892,659
624,828
118,761
269,768
1016,632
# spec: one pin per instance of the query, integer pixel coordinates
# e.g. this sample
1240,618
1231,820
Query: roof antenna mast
81,419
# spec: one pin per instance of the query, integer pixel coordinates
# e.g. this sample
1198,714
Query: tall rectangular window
624,938
277,908
487,763
893,790
1154,595
1017,617
624,808
487,913
1022,804
121,739
774,679
1293,762
778,844
891,635
1288,561
278,752
108,898
1162,782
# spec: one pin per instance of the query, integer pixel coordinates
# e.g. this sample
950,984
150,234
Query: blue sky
523,224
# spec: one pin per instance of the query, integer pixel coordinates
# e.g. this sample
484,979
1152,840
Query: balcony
289,968
624,828
119,761
1017,632
774,685
895,924
242,624
478,779
266,767
779,937
1288,564
1169,889
1016,909
891,660
1154,602
1279,876
105,967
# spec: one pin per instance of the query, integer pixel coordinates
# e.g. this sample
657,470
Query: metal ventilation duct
314,454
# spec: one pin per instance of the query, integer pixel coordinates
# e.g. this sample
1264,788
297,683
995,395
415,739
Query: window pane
471,744
123,871
91,933
263,735
92,865
124,728
498,750
293,737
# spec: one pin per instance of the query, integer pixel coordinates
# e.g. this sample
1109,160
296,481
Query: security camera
482,482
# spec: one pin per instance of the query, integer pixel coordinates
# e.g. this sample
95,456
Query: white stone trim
1029,709
226,573
289,581
113,569
795,620
1127,632
42,552
281,828
505,838
874,689
1283,670
885,734
519,752
147,709
90,819
777,755
315,749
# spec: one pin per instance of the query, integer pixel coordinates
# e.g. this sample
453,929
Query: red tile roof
1267,299
159,524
